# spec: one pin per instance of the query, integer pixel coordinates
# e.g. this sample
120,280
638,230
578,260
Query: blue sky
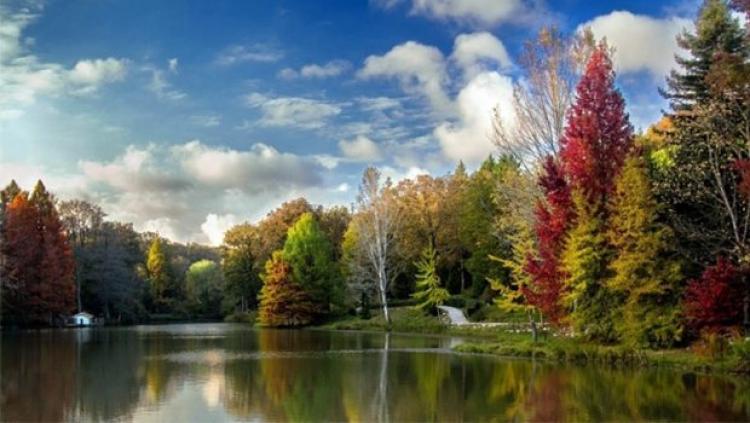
187,117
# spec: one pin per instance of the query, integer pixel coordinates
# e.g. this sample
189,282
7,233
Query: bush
240,317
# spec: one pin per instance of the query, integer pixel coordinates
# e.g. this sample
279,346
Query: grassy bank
499,341
736,358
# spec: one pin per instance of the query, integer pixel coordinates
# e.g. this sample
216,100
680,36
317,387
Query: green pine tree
717,33
643,274
429,293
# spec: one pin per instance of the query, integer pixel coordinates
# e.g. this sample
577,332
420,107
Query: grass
500,341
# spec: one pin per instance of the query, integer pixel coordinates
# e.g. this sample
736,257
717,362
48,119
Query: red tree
22,249
553,218
598,134
56,263
714,301
39,262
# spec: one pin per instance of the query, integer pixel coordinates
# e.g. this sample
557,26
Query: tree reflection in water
232,372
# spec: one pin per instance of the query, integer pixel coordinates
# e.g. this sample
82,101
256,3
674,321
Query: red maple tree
714,301
598,134
553,217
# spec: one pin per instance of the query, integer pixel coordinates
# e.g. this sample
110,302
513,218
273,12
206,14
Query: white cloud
173,63
464,126
164,226
90,74
642,43
327,70
419,68
262,168
24,77
237,54
162,88
378,103
208,121
361,149
397,175
216,225
136,170
298,112
469,138
478,52
474,12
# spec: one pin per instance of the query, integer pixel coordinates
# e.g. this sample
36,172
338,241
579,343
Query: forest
577,224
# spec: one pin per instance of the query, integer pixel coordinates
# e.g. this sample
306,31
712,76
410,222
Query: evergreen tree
584,263
157,268
430,293
717,33
283,302
310,256
644,276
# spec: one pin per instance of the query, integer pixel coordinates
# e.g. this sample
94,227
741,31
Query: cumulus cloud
361,149
419,68
469,138
216,225
298,112
642,43
24,77
90,74
464,123
136,170
261,168
473,12
479,52
237,54
326,70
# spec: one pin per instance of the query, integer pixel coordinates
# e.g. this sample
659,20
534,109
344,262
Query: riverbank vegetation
609,238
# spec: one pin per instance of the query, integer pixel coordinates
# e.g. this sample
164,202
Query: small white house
83,319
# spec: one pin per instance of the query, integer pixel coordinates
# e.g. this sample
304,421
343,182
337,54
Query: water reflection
230,372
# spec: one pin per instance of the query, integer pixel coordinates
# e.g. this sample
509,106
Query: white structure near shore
82,319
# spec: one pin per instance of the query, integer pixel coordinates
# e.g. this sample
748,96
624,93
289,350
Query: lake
231,372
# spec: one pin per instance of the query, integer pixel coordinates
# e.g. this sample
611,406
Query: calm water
228,372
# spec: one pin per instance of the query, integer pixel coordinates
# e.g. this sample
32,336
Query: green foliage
308,252
477,215
204,281
283,302
241,272
584,261
429,292
644,275
158,274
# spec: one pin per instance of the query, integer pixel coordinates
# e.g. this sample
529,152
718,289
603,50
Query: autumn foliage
714,300
283,302
553,217
39,267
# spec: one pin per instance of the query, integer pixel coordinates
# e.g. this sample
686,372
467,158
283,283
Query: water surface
230,372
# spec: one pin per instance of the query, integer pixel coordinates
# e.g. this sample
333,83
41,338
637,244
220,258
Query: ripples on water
229,372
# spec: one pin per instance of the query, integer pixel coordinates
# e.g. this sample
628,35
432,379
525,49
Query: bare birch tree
551,66
377,222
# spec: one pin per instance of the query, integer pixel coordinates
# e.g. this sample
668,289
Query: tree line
577,223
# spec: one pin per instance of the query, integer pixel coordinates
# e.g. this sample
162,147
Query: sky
187,117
